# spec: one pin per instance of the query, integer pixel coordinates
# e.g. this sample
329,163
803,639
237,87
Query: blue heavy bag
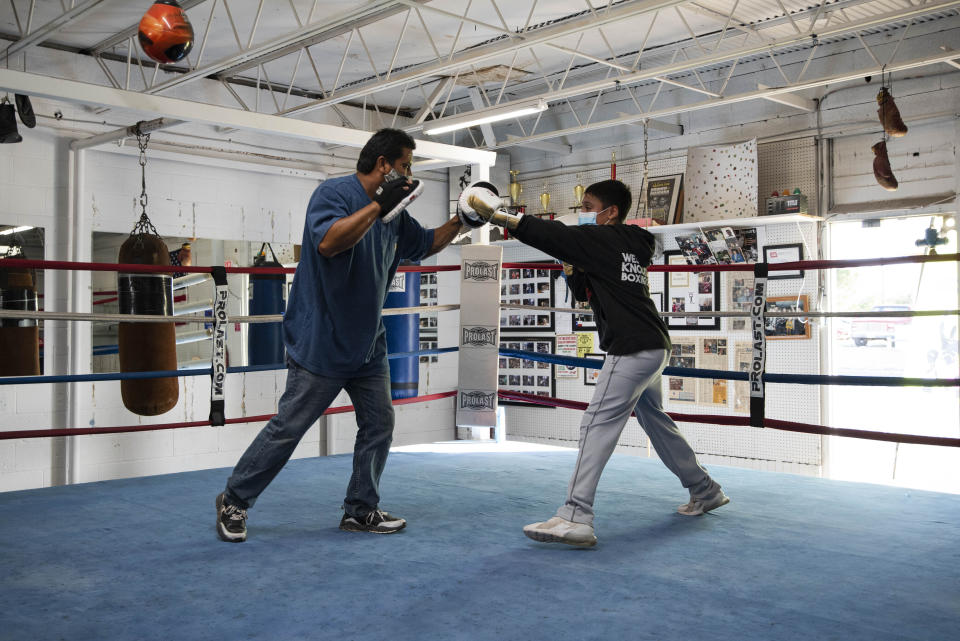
403,335
265,340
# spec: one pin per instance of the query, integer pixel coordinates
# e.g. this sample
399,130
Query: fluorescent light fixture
15,230
484,116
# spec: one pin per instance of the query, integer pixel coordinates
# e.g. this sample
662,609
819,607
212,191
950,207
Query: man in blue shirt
355,235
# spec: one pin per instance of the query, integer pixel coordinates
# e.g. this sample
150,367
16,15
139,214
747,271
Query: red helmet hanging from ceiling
166,34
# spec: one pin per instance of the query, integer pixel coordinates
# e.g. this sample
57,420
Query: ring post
479,337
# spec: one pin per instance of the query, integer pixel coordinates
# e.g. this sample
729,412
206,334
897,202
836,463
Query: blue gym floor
790,558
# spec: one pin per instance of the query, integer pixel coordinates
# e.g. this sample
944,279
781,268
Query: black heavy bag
19,338
147,347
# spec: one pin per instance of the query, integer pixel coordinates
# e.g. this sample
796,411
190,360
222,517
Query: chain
646,187
883,107
143,226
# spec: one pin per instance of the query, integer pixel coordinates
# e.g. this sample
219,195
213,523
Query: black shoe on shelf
231,522
378,522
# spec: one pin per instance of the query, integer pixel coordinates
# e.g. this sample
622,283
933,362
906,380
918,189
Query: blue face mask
590,217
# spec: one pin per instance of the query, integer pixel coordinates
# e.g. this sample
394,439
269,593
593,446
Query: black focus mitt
395,195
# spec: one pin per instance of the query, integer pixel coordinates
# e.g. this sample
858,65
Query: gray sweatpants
629,383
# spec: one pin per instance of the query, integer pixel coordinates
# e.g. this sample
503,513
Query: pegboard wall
742,446
560,186
782,165
791,164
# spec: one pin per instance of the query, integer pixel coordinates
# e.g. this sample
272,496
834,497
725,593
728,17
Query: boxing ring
792,557
757,377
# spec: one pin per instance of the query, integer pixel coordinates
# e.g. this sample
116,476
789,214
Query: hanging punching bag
265,341
165,33
19,338
403,335
147,347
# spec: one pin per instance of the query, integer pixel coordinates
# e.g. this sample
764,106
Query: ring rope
81,431
170,269
739,267
744,421
901,314
193,318
173,373
776,267
803,379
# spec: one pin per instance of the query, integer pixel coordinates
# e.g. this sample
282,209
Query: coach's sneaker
378,522
696,507
560,530
231,522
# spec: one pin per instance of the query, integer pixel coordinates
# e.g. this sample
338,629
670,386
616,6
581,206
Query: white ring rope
424,309
771,313
153,318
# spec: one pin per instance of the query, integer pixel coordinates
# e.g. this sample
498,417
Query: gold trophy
545,200
515,188
578,192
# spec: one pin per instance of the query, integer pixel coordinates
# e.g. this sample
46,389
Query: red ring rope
80,431
720,419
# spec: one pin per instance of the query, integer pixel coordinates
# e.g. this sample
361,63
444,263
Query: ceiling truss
301,60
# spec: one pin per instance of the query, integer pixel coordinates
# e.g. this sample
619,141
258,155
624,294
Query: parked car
863,330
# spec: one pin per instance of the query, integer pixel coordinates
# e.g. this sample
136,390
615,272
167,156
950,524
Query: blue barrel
265,340
403,335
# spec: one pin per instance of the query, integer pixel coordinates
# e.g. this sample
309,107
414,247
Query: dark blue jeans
306,397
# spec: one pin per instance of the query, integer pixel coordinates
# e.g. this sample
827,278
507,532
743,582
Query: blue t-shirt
333,324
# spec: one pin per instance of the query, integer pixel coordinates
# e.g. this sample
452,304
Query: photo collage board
428,322
531,287
690,292
523,375
699,353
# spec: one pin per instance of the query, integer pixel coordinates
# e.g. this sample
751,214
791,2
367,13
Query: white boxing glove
480,203
487,193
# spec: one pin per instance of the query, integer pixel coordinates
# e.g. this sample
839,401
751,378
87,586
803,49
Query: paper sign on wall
567,346
584,343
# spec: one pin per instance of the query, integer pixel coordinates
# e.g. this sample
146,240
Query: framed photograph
774,254
700,294
657,298
583,322
591,375
530,287
523,375
786,328
663,197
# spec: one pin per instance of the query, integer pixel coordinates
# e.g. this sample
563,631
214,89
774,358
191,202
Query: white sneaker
696,507
560,530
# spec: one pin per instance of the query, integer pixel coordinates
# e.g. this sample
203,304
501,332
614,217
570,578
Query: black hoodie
612,263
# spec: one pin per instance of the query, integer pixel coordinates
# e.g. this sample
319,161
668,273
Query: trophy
578,192
515,188
545,200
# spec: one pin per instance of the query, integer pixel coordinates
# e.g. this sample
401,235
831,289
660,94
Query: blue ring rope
125,376
804,379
